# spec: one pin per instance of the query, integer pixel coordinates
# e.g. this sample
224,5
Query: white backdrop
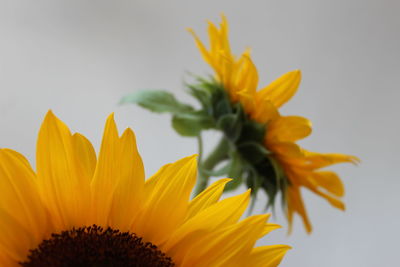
80,57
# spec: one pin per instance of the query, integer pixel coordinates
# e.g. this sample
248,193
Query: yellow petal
266,256
282,89
129,191
269,227
315,160
227,245
246,100
202,48
285,150
332,200
15,239
295,204
105,177
215,41
62,185
151,182
207,198
247,78
165,208
7,261
19,194
225,71
330,181
264,112
224,34
222,213
289,128
86,156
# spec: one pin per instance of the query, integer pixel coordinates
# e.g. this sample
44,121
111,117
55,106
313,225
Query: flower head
287,167
81,209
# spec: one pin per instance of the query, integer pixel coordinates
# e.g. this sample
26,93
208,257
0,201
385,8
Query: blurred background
79,58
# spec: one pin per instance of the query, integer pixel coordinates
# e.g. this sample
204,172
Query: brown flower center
95,247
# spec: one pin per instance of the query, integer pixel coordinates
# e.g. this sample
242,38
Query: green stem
200,147
219,154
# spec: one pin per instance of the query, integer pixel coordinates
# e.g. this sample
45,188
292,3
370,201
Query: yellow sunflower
239,77
81,210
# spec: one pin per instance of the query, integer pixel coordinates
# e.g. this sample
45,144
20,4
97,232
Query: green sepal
203,96
253,152
253,181
282,182
222,171
273,179
191,123
231,126
221,107
235,172
234,184
157,101
252,131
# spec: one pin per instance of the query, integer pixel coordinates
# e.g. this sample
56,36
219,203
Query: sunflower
238,76
81,210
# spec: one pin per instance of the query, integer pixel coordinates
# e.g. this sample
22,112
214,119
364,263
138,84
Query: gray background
80,57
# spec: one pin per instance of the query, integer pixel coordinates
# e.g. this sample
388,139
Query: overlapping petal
167,204
281,90
61,183
111,191
19,195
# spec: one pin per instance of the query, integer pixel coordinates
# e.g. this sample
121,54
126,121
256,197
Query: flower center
95,247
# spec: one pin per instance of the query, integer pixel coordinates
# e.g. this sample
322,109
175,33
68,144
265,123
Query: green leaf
192,123
157,101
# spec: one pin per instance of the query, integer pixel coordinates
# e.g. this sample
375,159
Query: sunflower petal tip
111,120
193,157
285,247
355,160
129,131
50,114
210,23
297,74
248,192
50,119
275,226
111,116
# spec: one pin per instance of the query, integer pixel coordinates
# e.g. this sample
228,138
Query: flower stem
219,154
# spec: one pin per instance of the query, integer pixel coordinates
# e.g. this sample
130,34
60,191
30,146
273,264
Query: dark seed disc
95,247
